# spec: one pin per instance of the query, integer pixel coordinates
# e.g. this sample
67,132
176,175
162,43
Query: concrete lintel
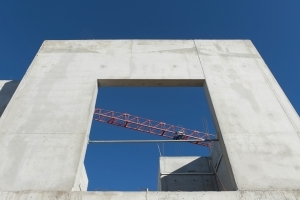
152,82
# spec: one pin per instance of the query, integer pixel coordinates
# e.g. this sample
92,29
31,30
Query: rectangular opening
134,167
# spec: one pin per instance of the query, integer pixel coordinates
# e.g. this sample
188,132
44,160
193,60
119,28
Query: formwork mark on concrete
199,58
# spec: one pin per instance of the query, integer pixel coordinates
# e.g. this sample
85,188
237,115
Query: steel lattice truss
150,126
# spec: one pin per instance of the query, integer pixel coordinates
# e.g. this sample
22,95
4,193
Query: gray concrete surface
186,173
52,109
258,125
232,195
82,182
44,128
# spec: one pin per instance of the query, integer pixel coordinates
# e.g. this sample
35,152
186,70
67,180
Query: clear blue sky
273,27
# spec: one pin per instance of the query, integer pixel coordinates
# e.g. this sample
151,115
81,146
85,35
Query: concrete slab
257,123
126,59
50,114
48,160
233,195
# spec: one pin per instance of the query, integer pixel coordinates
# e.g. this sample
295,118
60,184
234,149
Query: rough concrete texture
48,121
83,183
7,89
44,128
188,173
258,125
232,195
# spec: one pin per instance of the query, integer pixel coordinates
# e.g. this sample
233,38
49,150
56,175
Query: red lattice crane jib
153,127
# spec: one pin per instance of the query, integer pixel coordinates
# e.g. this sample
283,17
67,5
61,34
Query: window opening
128,167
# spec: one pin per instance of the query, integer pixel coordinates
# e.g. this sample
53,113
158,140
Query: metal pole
147,141
193,173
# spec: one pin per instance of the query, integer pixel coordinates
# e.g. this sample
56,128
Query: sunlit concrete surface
45,127
259,126
232,195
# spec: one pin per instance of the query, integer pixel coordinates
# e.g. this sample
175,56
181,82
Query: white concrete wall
44,129
232,195
81,183
259,126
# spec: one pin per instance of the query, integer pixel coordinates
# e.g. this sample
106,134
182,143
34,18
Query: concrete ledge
152,82
232,195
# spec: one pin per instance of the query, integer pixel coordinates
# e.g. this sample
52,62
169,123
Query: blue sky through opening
133,166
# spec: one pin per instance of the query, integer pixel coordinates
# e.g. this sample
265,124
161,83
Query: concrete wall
259,128
52,109
44,129
81,182
84,181
186,174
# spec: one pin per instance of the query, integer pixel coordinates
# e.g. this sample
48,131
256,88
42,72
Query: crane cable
158,149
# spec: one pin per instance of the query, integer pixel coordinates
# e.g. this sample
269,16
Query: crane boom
149,126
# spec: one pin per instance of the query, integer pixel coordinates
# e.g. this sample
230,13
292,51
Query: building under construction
42,150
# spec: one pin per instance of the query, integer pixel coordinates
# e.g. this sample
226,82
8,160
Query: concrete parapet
232,195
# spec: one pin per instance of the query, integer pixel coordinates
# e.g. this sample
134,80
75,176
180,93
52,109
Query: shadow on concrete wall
193,176
6,93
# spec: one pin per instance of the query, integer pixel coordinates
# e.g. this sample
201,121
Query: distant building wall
7,89
187,173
